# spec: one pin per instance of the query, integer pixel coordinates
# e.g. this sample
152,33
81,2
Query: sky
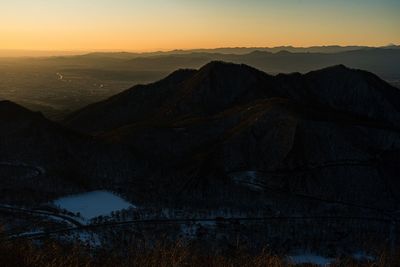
133,25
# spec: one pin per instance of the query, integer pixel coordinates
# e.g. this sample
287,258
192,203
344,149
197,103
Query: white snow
310,258
93,204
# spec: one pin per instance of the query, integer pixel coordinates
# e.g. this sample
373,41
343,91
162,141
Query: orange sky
183,24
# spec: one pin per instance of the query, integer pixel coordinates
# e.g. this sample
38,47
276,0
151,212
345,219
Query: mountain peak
342,72
179,75
338,67
10,110
222,67
216,64
283,52
8,103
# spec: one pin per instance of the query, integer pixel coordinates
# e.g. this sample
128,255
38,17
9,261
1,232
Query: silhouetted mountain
332,133
218,86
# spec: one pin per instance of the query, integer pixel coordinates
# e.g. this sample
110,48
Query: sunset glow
182,24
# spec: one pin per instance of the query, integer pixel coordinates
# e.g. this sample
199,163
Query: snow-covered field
93,204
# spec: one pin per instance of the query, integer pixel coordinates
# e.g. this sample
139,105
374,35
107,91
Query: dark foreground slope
40,159
331,134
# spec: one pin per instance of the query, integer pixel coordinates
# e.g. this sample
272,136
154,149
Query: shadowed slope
40,159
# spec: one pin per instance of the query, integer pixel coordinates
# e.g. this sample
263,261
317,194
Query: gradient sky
181,24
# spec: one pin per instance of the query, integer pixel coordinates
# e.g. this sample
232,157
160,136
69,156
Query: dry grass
52,254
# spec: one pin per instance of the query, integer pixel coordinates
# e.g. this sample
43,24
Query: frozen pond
93,204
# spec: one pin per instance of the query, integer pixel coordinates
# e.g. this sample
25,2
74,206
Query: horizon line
72,52
189,49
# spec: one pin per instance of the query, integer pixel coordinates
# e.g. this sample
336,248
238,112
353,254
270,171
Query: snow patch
310,259
363,256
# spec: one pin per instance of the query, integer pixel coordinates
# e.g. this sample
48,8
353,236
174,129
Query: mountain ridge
268,86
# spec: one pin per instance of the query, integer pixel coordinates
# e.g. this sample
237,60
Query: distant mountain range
382,61
245,50
9,53
227,130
